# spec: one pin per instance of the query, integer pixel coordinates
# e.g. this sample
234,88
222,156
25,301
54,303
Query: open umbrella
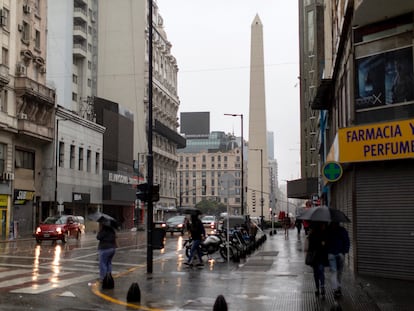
189,210
324,213
104,219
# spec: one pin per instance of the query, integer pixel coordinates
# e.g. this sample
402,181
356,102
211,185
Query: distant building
203,163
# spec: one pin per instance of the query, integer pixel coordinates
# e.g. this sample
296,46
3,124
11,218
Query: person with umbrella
317,243
338,246
106,246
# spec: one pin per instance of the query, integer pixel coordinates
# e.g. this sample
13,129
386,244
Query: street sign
332,171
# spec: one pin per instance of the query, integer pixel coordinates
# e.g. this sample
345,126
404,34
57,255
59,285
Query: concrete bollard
134,293
220,304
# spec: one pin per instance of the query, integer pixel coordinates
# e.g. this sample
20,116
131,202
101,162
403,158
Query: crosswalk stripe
37,289
25,279
7,273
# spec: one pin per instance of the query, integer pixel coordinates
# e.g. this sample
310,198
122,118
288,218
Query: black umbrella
104,219
189,210
324,213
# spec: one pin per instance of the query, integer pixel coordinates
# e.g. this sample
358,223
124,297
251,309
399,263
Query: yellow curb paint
95,290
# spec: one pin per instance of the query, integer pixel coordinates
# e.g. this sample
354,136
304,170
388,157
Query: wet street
52,276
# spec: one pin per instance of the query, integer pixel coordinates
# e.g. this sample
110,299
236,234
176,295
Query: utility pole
150,168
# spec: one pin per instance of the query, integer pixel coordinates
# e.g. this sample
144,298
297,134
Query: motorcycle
210,245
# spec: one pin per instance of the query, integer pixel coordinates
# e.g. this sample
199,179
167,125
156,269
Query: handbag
310,259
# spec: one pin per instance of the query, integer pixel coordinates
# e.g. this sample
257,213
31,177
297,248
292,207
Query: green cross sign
332,171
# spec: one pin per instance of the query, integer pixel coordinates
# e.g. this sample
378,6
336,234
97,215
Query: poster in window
384,79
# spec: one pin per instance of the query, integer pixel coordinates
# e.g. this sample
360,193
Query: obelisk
257,164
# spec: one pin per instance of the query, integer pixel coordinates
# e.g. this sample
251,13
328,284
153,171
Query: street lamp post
242,159
261,185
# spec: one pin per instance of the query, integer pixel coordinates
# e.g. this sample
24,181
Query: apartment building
123,78
75,183
365,102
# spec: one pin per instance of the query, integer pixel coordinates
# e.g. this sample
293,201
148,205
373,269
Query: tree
211,207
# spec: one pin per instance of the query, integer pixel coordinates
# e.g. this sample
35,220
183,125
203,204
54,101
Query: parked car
209,221
58,228
176,224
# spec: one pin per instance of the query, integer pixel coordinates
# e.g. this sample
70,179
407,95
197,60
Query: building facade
124,80
210,169
366,98
26,115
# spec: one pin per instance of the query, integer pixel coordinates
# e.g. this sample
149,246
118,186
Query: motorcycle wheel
223,252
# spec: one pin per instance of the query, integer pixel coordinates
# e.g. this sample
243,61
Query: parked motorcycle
210,245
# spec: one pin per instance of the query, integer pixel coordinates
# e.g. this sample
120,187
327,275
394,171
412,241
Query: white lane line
37,289
30,278
5,274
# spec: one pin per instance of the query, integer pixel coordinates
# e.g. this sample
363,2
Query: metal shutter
385,219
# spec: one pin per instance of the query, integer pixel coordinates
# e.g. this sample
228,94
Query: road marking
37,289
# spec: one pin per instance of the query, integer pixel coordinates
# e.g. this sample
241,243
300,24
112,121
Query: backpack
134,293
108,281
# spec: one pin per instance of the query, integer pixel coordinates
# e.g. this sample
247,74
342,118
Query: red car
58,228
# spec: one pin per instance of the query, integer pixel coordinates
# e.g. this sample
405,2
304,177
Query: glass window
37,39
25,159
26,32
72,157
61,154
88,160
97,162
2,157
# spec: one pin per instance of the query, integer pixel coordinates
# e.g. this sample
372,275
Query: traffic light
142,192
155,193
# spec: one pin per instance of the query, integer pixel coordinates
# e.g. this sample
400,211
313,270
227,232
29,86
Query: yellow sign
3,200
375,142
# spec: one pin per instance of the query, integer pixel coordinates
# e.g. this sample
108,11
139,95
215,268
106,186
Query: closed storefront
385,218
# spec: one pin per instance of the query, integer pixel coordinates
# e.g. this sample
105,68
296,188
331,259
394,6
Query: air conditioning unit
43,69
20,27
7,176
21,69
27,9
22,116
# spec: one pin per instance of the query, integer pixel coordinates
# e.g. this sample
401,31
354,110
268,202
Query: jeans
336,265
105,261
319,276
195,247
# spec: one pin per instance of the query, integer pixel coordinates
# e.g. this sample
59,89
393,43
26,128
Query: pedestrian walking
298,225
197,233
306,224
317,245
106,249
337,245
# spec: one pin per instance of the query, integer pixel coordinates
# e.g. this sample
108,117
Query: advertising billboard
384,79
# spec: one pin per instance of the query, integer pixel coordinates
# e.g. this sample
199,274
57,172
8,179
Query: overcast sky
211,42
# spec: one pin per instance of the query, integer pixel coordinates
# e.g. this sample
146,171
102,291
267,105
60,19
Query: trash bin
158,237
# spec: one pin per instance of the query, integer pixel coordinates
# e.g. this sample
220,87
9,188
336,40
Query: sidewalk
273,278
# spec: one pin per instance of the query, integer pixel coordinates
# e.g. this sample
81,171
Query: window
89,65
5,56
37,39
3,100
5,18
75,79
97,161
26,33
72,157
2,157
25,159
89,82
80,159
88,161
61,154
74,97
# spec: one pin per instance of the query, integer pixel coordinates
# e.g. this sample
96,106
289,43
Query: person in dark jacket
106,249
197,233
318,243
338,246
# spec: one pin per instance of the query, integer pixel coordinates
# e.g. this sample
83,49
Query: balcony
80,14
368,11
34,130
79,32
35,91
79,50
4,76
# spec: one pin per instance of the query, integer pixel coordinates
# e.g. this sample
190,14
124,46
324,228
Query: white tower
257,165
